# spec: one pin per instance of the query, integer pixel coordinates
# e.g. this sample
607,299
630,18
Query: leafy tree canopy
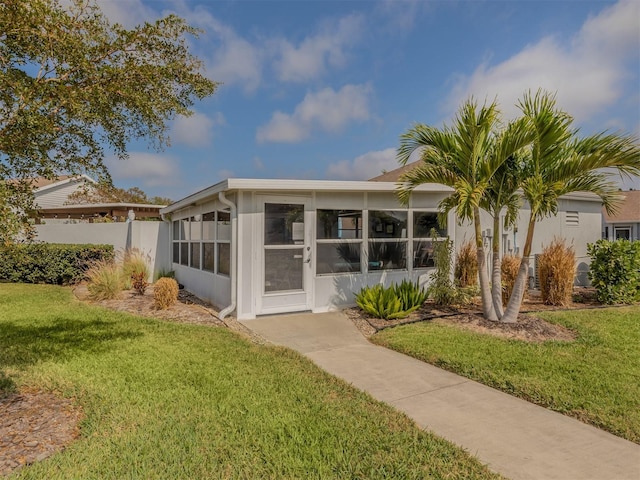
72,84
110,194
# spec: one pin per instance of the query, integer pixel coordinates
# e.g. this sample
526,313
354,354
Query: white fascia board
78,178
197,197
585,196
80,206
289,185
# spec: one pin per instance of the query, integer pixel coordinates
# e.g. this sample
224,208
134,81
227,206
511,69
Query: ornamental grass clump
105,280
556,271
134,262
509,269
466,269
165,293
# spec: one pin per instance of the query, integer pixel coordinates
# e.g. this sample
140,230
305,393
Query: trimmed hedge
58,264
615,270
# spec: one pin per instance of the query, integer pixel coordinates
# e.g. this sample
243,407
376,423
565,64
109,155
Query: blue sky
324,89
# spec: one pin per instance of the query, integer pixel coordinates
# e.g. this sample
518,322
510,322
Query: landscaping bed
529,327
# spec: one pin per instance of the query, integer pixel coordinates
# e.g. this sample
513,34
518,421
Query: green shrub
387,303
441,289
165,293
57,264
615,270
556,271
411,295
105,280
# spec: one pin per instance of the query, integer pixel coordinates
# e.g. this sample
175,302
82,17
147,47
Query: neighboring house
52,196
261,246
55,193
626,223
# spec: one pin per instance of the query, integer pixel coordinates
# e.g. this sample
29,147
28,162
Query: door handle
308,260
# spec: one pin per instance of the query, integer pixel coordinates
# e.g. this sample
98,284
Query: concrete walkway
514,437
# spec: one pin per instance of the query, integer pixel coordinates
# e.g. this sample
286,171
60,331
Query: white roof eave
288,185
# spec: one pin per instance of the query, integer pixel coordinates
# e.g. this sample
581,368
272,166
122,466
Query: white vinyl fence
153,239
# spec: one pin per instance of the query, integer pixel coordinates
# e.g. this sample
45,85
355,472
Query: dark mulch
529,327
33,426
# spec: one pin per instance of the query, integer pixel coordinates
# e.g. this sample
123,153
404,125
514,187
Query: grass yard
167,400
596,378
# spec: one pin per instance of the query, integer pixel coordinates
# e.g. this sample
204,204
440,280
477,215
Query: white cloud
145,169
127,13
196,130
364,167
232,59
326,110
588,74
315,53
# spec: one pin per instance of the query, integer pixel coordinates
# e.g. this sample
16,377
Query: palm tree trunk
496,274
485,290
520,285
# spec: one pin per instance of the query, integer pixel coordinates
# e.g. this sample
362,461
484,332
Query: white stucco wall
587,230
150,238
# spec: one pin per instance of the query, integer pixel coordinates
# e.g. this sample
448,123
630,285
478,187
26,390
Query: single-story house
626,223
53,206
262,246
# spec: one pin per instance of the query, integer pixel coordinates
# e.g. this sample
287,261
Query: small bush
556,271
615,270
105,280
396,301
441,289
165,293
411,295
139,282
134,262
466,270
165,273
509,268
57,264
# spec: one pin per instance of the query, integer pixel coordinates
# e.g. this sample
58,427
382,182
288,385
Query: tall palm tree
462,157
502,196
560,163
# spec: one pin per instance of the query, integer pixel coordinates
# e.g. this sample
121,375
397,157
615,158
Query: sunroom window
339,241
203,242
425,225
387,240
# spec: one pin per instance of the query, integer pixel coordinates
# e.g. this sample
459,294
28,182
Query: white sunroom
262,246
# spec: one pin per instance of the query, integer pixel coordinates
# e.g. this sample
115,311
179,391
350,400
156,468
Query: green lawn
595,378
165,400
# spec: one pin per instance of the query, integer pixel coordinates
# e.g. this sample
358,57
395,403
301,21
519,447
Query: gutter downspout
234,262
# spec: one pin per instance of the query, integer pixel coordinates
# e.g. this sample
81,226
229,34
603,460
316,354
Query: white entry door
285,255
